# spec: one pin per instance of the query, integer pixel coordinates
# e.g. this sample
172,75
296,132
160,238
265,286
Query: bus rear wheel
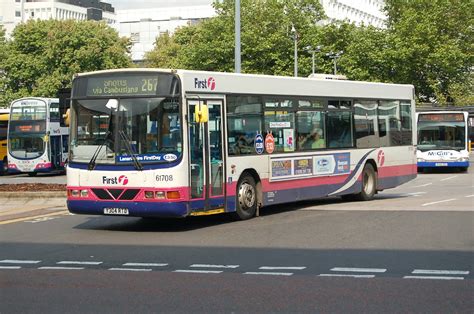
246,198
369,184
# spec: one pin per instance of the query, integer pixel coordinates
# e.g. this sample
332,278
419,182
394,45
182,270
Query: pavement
21,206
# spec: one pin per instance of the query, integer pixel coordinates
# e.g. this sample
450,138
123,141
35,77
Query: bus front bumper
134,209
437,164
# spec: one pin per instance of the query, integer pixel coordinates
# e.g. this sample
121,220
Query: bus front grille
116,194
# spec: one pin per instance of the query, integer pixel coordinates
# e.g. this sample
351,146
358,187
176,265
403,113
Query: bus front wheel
246,198
369,184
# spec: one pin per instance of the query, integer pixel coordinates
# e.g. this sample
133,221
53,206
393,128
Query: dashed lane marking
213,266
423,185
60,268
440,272
449,178
360,270
10,267
282,268
145,264
130,269
433,277
443,201
267,273
17,261
78,263
346,275
197,271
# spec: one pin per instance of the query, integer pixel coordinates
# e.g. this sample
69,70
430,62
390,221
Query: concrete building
14,12
143,26
367,12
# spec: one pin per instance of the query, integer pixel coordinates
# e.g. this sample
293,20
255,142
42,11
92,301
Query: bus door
206,158
56,152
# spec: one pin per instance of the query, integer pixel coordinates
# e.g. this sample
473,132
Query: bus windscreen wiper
126,140
91,164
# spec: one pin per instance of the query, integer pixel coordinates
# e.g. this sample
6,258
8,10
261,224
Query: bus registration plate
115,211
441,164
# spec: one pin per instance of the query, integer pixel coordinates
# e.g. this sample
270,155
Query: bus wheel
369,184
32,174
246,198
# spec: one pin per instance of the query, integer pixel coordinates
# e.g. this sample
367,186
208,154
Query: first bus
37,136
4,117
177,143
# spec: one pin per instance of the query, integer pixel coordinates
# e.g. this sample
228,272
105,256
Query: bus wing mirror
66,118
201,114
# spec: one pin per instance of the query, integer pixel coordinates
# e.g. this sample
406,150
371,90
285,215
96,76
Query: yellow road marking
208,212
64,212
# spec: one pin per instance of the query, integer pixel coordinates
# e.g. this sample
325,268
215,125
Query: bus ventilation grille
116,194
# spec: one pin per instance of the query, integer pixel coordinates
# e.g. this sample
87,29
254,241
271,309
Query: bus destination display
452,117
126,85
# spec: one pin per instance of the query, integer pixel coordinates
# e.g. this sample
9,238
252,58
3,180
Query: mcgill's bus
176,143
37,137
4,116
443,139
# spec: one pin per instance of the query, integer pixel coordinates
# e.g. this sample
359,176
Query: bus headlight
160,195
149,194
84,193
74,193
463,159
420,160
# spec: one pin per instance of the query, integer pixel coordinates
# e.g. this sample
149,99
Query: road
48,178
409,250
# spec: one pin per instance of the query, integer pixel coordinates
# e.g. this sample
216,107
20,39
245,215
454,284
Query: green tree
267,44
44,55
431,45
3,54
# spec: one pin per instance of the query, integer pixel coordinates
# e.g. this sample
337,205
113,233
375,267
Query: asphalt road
48,178
409,250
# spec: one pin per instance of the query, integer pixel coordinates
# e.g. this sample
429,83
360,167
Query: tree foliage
266,38
43,55
427,43
431,45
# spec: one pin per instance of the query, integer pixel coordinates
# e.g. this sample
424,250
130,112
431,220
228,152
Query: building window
17,13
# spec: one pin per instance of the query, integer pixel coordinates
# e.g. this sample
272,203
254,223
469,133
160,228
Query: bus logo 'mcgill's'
209,83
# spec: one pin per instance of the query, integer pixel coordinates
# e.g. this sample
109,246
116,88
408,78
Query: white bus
176,143
443,139
38,139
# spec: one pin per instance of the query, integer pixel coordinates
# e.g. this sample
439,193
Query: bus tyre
369,184
246,198
4,169
32,174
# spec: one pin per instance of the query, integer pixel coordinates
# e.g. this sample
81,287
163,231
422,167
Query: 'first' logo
209,83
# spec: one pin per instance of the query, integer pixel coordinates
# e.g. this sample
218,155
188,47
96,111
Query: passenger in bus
312,140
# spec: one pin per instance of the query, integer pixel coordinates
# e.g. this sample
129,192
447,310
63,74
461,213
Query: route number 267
149,85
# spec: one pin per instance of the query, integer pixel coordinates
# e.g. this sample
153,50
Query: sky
141,4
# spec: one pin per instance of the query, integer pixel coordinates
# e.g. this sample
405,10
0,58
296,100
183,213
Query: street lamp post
295,38
313,51
334,56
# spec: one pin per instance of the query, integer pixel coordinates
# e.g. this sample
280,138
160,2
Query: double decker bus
4,116
443,139
37,137
177,143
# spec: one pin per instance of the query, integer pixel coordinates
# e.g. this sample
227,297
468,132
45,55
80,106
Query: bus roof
196,82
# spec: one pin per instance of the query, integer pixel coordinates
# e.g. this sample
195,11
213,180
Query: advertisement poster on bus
303,166
288,138
281,168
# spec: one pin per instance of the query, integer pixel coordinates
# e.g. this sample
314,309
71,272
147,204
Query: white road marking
440,272
282,268
414,193
146,264
267,273
472,195
42,219
61,268
423,185
130,269
443,201
10,267
445,179
433,277
346,275
78,263
15,261
360,270
213,266
197,271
